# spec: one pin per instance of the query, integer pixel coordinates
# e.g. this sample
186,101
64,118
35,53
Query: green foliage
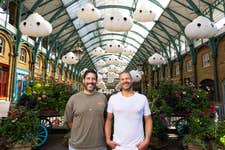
195,141
50,97
19,127
220,133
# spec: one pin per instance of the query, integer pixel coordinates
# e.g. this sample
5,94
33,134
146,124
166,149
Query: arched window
23,55
2,46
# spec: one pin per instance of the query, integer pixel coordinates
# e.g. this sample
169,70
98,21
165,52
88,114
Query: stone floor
56,141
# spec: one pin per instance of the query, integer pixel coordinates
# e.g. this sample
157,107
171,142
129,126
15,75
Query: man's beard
90,89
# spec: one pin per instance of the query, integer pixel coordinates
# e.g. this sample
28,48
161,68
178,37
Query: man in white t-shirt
128,109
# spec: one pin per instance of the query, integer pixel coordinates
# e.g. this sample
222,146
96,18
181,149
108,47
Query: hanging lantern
70,58
201,28
143,13
114,47
88,12
98,51
36,26
117,22
156,59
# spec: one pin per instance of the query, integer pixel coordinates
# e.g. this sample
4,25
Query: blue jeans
71,148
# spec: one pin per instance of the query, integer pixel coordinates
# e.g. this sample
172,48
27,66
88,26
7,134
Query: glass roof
94,35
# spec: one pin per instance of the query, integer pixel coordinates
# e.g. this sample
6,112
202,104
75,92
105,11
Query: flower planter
22,147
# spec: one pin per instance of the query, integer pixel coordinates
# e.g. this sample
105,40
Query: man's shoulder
140,95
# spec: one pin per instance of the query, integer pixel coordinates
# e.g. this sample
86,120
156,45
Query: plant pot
27,146
194,147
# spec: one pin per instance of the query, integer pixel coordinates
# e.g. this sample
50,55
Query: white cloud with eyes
128,52
36,26
98,51
103,70
114,47
101,85
88,12
136,75
201,28
112,68
117,22
100,63
83,71
70,58
143,13
113,60
156,59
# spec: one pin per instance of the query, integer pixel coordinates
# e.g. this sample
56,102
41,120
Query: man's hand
112,144
143,145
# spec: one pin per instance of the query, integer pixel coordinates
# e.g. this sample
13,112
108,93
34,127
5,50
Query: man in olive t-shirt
84,114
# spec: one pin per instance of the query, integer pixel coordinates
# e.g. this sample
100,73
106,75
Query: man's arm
148,131
69,124
148,127
108,128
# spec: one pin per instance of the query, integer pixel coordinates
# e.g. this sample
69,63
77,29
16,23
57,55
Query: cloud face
113,60
36,26
100,63
98,51
156,59
112,68
136,75
88,13
200,28
101,85
114,47
128,52
144,14
117,22
83,71
70,58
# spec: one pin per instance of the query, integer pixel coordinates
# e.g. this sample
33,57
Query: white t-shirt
128,119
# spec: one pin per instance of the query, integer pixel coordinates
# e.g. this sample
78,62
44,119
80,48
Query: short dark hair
90,71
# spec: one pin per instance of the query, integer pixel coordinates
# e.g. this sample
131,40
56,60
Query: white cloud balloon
98,51
156,59
70,58
128,52
114,47
88,12
136,75
113,60
200,28
143,13
100,63
83,71
36,26
117,22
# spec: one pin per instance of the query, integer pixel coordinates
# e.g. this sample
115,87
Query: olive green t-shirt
87,114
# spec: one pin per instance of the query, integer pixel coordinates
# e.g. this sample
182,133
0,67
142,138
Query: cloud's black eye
110,45
154,58
118,45
212,25
65,57
82,9
38,23
199,24
125,18
111,18
24,23
72,57
93,9
150,11
140,11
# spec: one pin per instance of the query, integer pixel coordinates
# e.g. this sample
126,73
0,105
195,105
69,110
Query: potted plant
19,128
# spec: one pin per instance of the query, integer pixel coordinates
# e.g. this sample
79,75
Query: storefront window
23,55
2,42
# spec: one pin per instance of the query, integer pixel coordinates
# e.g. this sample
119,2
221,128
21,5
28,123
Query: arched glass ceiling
93,35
